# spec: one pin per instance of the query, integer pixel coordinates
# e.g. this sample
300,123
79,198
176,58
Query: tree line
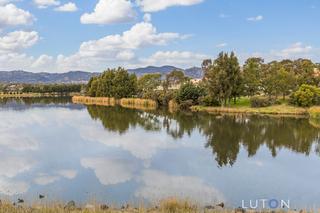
224,82
41,88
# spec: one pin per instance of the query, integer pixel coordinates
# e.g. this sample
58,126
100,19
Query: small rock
104,207
71,205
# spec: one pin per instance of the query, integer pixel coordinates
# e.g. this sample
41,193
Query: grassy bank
282,109
134,103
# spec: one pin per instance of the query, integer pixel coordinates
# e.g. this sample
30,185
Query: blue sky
92,35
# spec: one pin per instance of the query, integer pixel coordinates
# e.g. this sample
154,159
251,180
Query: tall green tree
175,77
117,83
223,78
252,73
147,84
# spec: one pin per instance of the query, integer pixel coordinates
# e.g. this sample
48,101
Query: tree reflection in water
225,134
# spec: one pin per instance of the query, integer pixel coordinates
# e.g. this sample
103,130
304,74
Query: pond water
117,155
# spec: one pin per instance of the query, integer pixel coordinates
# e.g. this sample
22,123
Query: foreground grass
171,205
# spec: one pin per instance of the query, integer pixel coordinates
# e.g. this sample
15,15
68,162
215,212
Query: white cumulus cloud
154,6
110,12
13,16
68,7
119,48
17,41
178,58
45,3
296,49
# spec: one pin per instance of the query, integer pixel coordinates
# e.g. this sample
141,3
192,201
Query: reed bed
138,103
133,103
94,101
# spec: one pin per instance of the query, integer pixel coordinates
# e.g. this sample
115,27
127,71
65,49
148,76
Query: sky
93,35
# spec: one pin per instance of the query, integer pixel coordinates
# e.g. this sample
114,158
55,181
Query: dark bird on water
20,200
41,196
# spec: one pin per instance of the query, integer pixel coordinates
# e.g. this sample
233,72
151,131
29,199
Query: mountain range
20,76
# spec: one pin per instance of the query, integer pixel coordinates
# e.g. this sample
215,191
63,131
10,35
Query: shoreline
136,103
280,110
36,95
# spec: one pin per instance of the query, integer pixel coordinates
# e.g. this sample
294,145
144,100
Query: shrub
189,92
208,101
163,97
185,105
258,101
306,96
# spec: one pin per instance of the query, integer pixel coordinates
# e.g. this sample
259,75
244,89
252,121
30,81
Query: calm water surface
117,155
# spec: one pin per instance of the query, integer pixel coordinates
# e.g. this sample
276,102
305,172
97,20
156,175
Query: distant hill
43,77
82,77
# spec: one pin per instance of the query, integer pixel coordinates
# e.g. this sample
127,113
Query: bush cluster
306,96
260,101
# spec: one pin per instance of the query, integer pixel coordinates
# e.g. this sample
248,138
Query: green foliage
190,92
252,71
147,84
51,88
223,77
208,100
174,78
306,96
117,83
163,97
258,101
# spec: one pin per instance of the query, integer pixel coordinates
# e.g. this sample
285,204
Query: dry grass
94,101
282,109
171,205
134,103
314,112
138,103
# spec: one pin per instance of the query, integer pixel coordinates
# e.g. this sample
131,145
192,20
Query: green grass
241,102
282,109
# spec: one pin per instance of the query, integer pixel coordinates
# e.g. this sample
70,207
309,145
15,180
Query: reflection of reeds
134,103
173,106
